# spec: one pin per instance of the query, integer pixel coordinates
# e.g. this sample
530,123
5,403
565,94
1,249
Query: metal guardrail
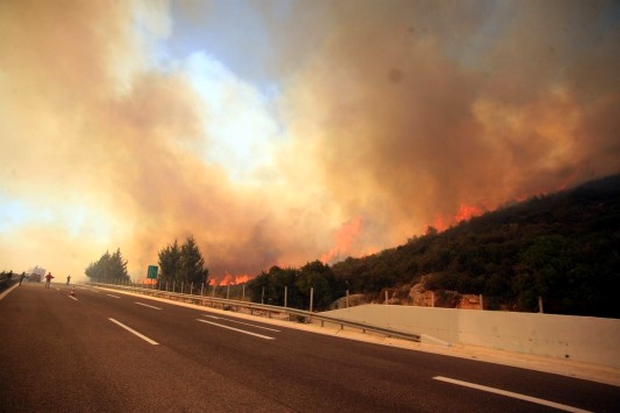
6,281
268,310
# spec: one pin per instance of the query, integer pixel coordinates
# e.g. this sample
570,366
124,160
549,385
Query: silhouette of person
48,279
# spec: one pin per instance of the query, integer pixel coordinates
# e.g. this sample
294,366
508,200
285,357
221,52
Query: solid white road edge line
147,305
131,330
236,329
506,393
242,323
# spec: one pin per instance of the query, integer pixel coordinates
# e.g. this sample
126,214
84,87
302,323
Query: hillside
562,247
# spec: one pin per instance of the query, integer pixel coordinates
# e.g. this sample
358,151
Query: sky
279,132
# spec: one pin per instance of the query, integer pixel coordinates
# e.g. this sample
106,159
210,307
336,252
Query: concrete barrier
583,339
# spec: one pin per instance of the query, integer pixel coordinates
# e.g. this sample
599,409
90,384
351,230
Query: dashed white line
147,305
113,296
131,330
72,297
236,329
242,323
506,393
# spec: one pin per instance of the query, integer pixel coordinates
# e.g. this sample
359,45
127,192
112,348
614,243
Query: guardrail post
311,297
228,292
285,296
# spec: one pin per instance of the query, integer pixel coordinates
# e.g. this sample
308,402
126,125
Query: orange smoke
345,236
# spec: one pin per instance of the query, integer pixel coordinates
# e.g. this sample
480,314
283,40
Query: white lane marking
113,296
131,330
147,305
236,329
72,297
519,396
243,323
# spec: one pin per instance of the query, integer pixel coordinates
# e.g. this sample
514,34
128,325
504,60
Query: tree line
108,268
182,265
562,247
291,286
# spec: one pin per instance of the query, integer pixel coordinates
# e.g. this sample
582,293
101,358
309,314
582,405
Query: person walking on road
68,279
21,278
48,279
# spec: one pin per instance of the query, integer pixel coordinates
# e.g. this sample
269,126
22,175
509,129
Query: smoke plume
390,116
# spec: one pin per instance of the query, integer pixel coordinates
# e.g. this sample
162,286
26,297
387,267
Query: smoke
418,110
388,117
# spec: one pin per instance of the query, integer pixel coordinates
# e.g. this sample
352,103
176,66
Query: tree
320,278
169,262
192,264
261,288
110,267
183,264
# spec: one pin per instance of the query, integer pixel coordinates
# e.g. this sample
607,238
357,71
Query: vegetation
271,287
182,264
563,247
109,268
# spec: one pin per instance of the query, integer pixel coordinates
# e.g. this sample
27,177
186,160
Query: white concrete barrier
583,339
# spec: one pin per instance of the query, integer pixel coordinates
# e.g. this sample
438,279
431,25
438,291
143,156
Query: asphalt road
99,351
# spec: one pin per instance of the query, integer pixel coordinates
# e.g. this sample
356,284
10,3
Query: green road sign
152,272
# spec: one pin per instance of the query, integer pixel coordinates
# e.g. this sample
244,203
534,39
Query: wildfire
465,212
230,279
345,236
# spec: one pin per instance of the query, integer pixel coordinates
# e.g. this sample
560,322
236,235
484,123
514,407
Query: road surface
101,351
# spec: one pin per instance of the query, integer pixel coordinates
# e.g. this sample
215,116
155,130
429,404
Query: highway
101,351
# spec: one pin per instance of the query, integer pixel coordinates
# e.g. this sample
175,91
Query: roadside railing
6,281
266,310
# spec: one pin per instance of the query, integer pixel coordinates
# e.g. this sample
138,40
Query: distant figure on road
48,279
21,278
68,279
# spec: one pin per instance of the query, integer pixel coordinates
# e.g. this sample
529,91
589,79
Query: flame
466,212
439,223
230,279
345,236
442,222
